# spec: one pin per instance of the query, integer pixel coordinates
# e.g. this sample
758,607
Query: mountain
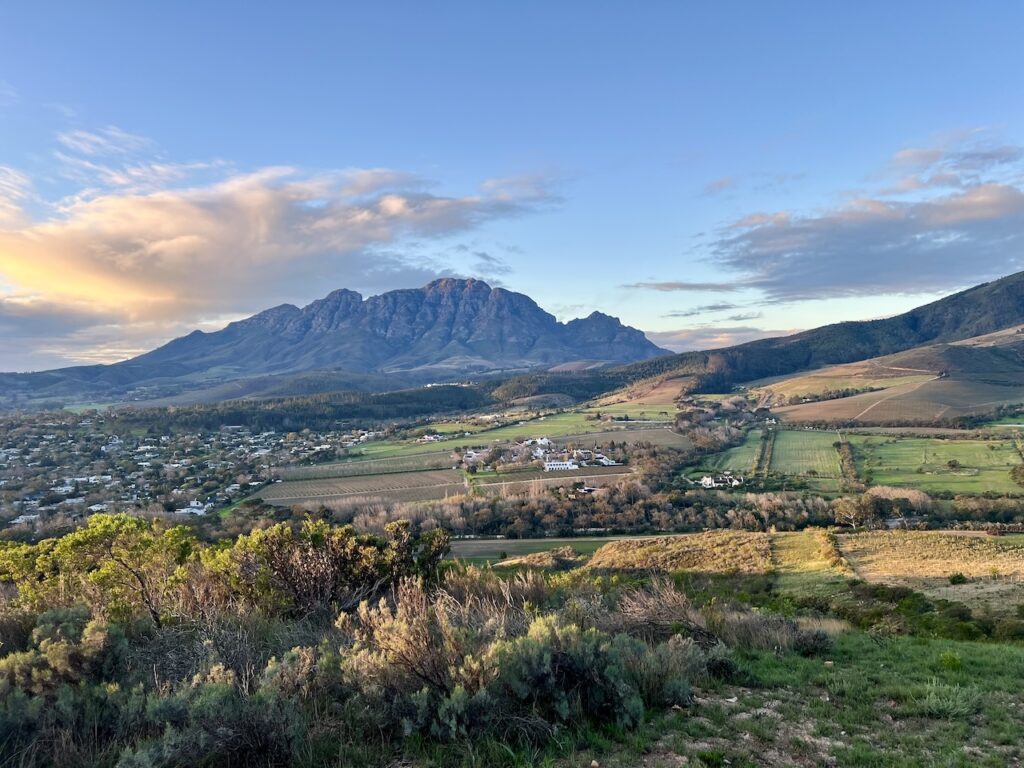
450,328
984,309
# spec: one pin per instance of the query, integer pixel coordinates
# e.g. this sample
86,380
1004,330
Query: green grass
802,564
805,453
739,459
984,465
887,702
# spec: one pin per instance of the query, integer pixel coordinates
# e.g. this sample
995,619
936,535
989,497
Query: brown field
651,399
711,552
397,486
924,560
870,373
435,460
923,401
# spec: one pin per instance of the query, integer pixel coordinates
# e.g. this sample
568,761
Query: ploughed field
913,402
396,486
432,460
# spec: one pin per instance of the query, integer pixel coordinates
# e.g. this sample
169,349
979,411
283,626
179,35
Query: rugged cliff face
449,328
456,324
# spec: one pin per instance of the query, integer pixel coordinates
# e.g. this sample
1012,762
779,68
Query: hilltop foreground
712,649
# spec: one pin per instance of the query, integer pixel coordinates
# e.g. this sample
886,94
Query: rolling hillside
984,309
929,383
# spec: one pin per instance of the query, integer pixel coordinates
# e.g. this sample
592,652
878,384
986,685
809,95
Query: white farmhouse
560,466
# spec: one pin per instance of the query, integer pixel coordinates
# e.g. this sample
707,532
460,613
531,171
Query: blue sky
708,172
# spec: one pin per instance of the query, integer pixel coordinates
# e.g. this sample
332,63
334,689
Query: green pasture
959,466
805,453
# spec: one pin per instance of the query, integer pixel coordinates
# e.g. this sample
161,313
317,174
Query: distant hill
980,310
449,329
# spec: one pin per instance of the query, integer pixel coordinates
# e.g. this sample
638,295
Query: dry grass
925,560
559,559
711,552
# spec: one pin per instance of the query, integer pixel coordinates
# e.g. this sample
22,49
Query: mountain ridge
450,328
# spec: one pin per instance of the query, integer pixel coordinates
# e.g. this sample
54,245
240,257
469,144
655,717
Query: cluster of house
556,460
541,449
723,480
79,465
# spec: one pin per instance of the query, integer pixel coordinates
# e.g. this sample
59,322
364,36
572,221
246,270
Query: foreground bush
128,645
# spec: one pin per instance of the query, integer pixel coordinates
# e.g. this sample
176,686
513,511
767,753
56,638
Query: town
58,468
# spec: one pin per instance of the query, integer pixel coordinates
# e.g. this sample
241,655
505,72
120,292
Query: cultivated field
575,426
537,481
924,560
924,463
651,402
913,402
805,454
862,375
425,485
434,460
396,486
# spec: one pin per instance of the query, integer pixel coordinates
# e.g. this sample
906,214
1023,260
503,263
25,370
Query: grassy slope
905,701
901,701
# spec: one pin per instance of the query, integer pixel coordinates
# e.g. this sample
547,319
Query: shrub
213,724
658,612
751,630
812,642
950,660
948,702
957,578
1009,629
66,646
720,664
562,674
662,674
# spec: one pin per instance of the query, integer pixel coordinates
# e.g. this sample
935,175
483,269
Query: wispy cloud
684,286
106,141
720,185
711,337
944,218
15,188
703,309
142,255
8,93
